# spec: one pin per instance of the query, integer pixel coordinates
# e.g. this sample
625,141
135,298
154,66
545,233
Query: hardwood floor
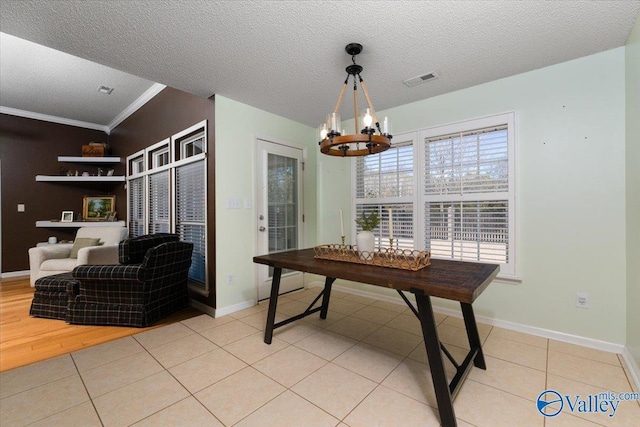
25,340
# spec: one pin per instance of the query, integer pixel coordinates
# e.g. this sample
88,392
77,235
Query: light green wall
237,125
632,157
570,124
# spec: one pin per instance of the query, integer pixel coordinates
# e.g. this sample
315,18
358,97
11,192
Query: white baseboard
518,327
15,274
632,367
223,311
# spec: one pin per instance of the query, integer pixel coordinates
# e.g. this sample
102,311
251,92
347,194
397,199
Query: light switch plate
20,207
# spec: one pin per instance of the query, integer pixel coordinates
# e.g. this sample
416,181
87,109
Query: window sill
509,280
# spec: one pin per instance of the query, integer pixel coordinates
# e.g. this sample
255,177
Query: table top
455,280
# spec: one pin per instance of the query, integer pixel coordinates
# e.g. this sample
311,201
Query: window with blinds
386,181
452,194
169,195
468,192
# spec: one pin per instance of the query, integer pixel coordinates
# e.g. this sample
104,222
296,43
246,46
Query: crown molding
155,89
53,119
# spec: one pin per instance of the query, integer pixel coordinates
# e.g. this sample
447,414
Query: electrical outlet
582,300
229,279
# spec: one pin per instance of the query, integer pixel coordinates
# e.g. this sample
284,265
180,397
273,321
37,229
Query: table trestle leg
323,308
472,334
436,364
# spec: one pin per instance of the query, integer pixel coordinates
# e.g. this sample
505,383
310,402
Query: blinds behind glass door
190,216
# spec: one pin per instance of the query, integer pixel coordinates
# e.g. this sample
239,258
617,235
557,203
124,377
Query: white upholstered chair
53,259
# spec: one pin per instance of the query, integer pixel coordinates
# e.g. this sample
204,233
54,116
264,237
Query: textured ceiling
39,79
287,57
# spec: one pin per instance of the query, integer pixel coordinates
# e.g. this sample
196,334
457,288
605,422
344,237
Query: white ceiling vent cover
421,79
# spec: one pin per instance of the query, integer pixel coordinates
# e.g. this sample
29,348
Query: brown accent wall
168,113
28,148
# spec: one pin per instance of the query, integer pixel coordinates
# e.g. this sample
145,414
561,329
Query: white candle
385,126
341,224
390,224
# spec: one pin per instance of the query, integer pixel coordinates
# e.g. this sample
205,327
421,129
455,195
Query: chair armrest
98,255
42,253
109,273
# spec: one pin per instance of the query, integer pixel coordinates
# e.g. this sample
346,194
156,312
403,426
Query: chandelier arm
355,106
341,96
369,103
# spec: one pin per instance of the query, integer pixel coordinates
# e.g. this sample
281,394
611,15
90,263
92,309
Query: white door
279,210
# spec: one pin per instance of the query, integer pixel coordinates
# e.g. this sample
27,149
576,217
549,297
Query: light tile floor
365,365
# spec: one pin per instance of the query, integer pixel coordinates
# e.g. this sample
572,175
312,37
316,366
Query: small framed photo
96,208
67,216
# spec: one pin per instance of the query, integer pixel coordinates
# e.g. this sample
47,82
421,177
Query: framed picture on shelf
98,208
67,216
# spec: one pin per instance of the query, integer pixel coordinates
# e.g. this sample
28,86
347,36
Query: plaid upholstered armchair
149,283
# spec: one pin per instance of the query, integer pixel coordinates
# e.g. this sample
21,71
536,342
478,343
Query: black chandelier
371,138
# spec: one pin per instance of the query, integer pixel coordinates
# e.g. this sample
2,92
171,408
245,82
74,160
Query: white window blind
191,216
388,174
159,202
386,181
136,207
467,162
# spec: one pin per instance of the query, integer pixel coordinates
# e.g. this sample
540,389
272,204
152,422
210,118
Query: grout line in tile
87,390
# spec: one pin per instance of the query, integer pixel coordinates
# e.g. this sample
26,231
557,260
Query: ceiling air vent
420,79
105,89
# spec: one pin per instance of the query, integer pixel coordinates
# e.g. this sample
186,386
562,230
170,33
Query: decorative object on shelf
112,216
67,216
365,239
95,149
361,142
96,208
52,240
110,172
404,259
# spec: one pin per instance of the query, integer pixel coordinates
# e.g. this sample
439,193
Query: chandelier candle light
390,229
341,227
374,139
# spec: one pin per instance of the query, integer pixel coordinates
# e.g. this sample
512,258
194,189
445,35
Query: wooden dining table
454,280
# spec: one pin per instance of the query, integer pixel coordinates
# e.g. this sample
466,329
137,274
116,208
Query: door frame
258,140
